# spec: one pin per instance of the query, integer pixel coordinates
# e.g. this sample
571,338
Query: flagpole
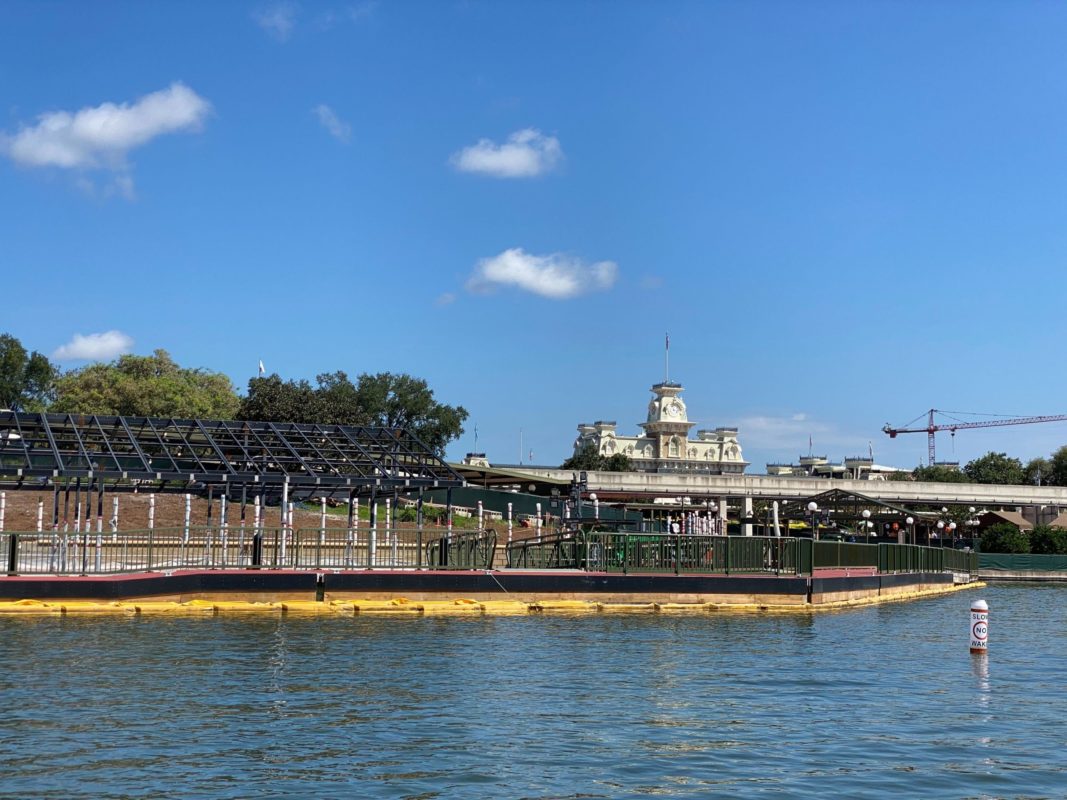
666,358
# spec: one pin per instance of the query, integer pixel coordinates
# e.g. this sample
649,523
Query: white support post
509,523
224,530
3,509
188,517
40,516
114,521
748,515
723,517
284,522
322,516
151,512
391,532
538,522
481,516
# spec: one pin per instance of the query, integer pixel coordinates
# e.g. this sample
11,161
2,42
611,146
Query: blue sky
844,213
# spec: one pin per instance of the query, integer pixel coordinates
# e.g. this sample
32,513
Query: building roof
1014,517
1060,521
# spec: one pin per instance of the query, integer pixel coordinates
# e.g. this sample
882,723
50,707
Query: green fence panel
1022,562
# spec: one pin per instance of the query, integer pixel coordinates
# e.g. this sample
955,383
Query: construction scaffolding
40,451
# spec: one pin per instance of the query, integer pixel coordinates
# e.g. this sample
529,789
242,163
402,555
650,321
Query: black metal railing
90,552
612,551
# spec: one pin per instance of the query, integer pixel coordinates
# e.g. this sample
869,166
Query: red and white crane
957,425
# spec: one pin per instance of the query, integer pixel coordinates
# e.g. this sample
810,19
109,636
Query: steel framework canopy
38,450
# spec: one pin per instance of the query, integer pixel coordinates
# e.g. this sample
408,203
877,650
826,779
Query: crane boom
932,427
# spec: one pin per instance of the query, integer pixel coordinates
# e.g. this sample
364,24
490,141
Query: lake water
870,702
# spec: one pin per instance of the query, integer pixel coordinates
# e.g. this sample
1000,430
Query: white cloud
557,276
445,299
526,153
100,137
94,347
339,130
278,20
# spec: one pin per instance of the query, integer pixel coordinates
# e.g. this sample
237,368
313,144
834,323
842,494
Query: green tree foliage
589,459
27,380
939,474
271,399
1057,468
1004,538
1046,540
1036,471
146,386
384,399
995,468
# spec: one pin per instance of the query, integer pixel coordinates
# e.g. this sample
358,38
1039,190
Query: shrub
1004,538
1047,540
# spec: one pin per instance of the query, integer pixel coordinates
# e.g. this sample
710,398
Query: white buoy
979,628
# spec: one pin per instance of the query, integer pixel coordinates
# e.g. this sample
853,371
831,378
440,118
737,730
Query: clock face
672,409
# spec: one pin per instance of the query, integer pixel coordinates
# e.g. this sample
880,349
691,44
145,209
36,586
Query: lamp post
911,528
866,514
813,507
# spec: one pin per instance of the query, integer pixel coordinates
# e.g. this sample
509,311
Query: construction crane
956,425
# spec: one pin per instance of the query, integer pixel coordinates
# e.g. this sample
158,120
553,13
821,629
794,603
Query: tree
401,401
938,474
271,399
1057,468
27,380
619,462
1004,538
1046,540
146,386
1037,471
589,459
384,399
995,468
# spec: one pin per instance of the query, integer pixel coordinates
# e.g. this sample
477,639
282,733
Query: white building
856,468
665,445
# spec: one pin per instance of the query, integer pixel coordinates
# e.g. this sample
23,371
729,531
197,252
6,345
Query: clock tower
667,423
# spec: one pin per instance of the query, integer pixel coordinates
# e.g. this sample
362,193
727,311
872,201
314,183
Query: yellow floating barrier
681,608
171,607
89,607
626,608
29,607
564,606
398,605
453,607
506,607
314,607
246,607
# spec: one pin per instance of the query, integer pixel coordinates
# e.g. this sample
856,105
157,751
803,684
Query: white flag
261,370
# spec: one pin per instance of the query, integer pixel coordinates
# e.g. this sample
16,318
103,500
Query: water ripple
863,704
